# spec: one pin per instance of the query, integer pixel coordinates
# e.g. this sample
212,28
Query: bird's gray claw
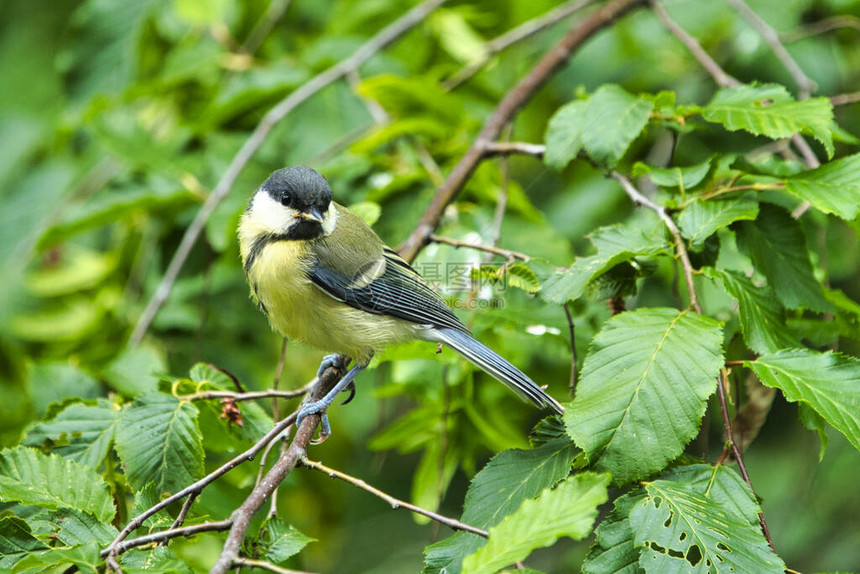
317,407
333,360
351,389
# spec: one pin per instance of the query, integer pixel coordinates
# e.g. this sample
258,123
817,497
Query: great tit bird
324,277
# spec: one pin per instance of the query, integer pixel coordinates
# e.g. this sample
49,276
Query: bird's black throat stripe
257,247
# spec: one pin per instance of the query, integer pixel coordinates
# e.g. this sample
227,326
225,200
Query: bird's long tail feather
497,366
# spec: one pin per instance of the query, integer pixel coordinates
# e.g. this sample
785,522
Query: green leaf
614,119
827,382
160,559
683,178
85,558
776,245
615,244
83,432
813,421
567,510
78,527
701,219
16,541
614,550
701,519
49,481
643,389
564,134
521,277
281,540
761,315
158,440
511,477
832,188
135,370
769,110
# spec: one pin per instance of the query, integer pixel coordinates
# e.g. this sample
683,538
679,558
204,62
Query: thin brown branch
516,98
263,565
683,256
510,148
241,517
183,514
821,27
198,486
394,502
730,444
385,37
806,85
845,99
709,64
479,247
511,37
164,535
249,396
725,80
571,329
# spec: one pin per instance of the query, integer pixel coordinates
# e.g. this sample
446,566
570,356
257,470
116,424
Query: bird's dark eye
286,198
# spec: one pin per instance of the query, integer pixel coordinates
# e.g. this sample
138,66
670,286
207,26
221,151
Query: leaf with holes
833,188
701,519
761,316
644,388
769,110
827,382
567,510
614,550
158,440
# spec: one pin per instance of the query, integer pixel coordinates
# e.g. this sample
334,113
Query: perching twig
511,37
241,517
385,37
479,247
113,549
394,502
516,98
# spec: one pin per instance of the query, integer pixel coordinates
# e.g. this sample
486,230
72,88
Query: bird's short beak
312,214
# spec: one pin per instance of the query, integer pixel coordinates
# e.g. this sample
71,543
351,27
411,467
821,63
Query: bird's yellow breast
280,282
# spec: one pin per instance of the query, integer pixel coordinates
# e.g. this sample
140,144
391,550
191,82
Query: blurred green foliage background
117,118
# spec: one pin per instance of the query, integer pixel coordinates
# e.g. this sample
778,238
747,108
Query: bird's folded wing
387,286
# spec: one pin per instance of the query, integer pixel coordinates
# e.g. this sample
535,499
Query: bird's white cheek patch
273,216
329,220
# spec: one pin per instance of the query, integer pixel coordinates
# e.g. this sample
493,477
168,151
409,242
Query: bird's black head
305,196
